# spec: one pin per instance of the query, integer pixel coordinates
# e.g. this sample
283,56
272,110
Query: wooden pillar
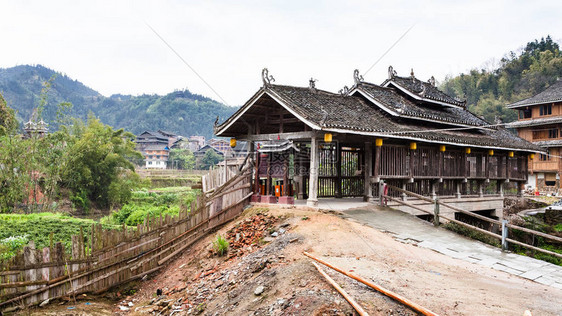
411,164
479,166
368,171
507,167
257,174
313,171
481,188
300,193
487,166
285,190
433,193
268,183
465,165
339,193
520,188
441,163
378,150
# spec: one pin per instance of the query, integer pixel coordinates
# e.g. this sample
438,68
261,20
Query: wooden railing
112,258
429,162
504,224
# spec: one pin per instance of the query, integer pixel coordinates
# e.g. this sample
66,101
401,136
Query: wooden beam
276,136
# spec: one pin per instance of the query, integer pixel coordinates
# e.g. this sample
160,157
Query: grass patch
220,245
16,230
153,204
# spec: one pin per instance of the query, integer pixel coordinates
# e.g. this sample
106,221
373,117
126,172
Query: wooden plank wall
116,257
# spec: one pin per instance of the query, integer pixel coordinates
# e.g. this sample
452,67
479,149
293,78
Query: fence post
504,235
381,188
436,212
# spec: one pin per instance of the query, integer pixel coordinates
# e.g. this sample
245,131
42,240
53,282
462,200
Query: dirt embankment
265,273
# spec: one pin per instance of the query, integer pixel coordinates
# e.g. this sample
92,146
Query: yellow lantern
491,152
378,142
442,148
328,138
532,156
511,154
413,146
468,150
233,142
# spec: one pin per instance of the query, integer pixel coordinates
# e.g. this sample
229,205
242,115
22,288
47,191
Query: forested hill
180,112
520,74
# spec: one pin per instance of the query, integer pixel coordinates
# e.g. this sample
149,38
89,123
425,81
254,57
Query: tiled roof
423,90
549,143
156,147
352,114
535,122
551,94
334,111
401,106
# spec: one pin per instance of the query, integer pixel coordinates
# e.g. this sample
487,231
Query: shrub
10,246
220,245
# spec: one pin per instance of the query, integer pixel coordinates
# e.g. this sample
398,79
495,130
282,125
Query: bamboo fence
112,257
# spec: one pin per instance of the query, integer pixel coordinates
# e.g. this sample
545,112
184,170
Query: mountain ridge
181,111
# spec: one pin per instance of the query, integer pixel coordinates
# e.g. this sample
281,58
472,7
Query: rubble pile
248,233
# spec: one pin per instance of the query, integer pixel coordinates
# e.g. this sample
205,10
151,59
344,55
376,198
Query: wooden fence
504,237
112,258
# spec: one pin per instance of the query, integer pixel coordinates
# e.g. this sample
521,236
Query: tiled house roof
348,113
423,90
551,94
383,112
399,105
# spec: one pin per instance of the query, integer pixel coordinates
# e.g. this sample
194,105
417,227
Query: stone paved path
410,229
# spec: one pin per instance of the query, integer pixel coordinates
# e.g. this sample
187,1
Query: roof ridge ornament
345,91
357,77
412,75
391,72
312,84
432,81
423,89
266,78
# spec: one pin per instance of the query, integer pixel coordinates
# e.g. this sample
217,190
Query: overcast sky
108,46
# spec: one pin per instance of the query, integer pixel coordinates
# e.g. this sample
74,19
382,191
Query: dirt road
272,277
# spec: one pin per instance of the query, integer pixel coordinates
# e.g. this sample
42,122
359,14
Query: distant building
540,122
220,145
35,128
198,141
156,156
155,147
201,152
171,137
148,138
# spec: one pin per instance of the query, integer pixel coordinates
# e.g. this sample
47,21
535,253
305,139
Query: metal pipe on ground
350,299
382,290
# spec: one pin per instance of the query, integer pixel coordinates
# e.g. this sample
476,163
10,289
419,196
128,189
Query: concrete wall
470,204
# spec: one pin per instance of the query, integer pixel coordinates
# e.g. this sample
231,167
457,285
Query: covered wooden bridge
311,143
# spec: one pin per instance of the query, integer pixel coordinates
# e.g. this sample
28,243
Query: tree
520,75
182,159
99,160
210,158
8,121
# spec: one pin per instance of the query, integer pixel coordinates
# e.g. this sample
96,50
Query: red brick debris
248,233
